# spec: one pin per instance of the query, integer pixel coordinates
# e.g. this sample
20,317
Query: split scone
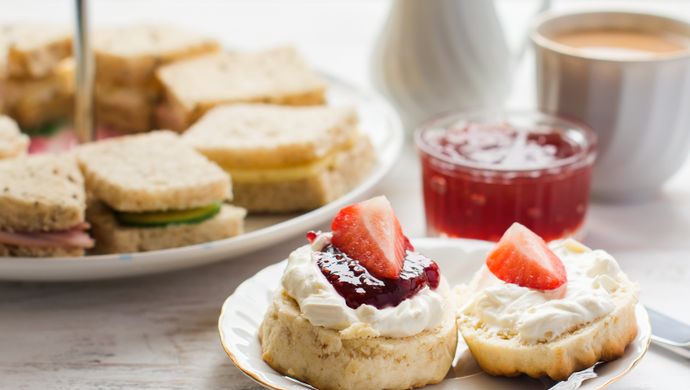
12,142
540,310
152,191
42,204
192,87
359,309
285,159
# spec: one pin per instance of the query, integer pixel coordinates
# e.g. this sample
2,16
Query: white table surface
159,332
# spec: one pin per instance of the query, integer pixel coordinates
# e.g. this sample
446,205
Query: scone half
602,340
513,328
293,346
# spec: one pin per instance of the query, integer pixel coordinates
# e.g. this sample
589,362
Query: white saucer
244,310
377,119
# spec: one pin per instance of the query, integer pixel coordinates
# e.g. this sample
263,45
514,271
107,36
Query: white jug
435,56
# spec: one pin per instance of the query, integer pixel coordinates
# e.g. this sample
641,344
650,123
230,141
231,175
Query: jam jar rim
584,157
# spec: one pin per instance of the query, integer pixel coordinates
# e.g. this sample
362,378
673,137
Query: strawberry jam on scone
359,308
546,310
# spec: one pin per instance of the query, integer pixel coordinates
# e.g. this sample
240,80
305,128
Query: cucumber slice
170,217
47,129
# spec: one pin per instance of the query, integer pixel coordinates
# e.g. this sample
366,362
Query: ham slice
75,237
65,140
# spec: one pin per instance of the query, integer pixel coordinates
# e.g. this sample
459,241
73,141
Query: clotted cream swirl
507,310
321,304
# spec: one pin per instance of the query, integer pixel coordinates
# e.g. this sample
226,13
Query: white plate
243,311
377,119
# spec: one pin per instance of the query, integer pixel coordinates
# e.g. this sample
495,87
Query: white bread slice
41,193
151,172
269,136
339,174
33,51
12,142
130,54
113,238
604,339
278,76
330,360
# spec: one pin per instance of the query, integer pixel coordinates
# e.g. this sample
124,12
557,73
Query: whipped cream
321,304
595,282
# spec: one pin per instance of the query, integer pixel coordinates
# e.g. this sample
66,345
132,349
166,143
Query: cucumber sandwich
152,191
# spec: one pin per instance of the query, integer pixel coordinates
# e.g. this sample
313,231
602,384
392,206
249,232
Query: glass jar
483,171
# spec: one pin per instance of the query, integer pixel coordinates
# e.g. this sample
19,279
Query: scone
284,159
359,309
546,310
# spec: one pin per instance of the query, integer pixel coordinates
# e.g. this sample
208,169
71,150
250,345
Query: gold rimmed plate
244,310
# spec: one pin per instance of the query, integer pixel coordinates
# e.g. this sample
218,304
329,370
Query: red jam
354,283
481,175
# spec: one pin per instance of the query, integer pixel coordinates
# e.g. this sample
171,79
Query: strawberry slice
370,232
523,258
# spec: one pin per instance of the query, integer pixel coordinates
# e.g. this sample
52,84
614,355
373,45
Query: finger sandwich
130,54
277,76
152,191
33,51
37,73
126,60
282,158
37,102
42,202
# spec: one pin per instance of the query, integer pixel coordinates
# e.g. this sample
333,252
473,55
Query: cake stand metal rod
83,103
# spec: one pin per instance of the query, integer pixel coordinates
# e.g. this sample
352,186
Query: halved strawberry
523,258
370,232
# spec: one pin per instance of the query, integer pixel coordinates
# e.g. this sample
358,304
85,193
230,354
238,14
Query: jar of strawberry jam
483,171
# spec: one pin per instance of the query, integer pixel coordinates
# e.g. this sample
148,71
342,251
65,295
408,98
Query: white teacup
637,99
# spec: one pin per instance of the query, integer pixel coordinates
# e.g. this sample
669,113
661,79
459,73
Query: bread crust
349,167
110,237
604,339
24,251
331,360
